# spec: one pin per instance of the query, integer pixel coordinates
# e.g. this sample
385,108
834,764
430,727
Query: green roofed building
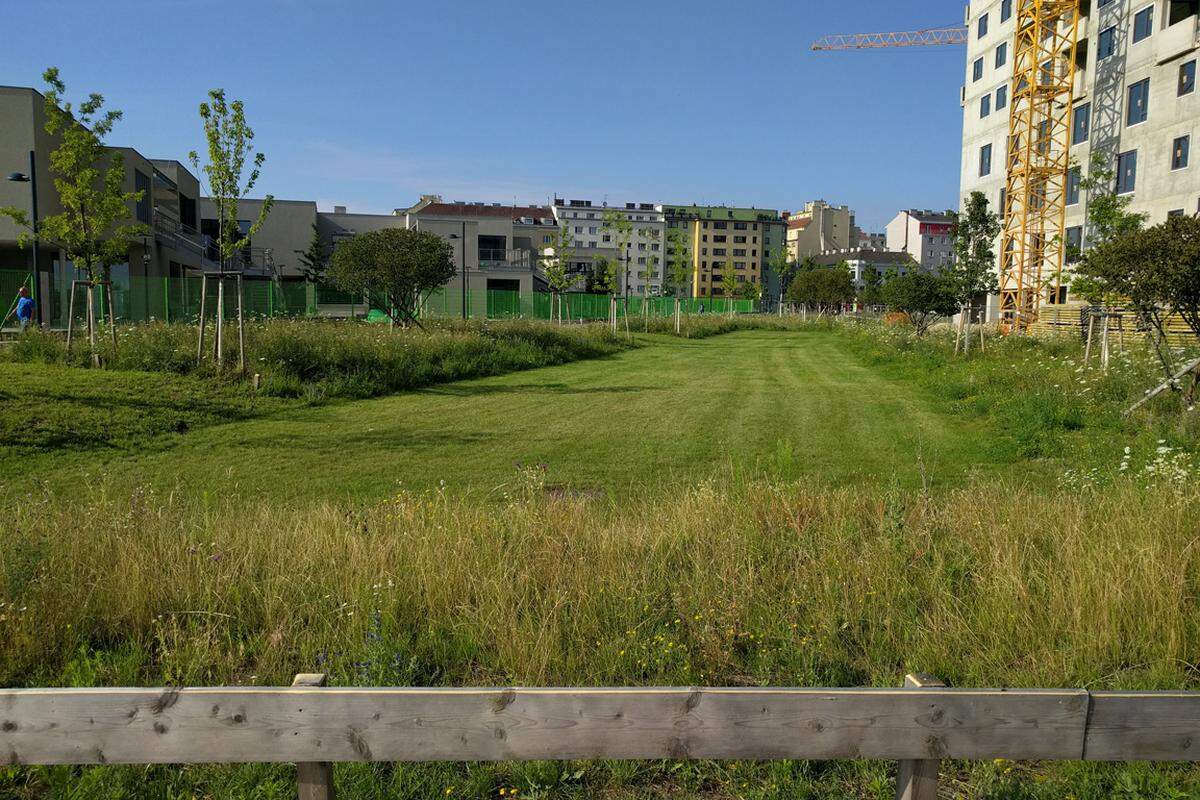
745,240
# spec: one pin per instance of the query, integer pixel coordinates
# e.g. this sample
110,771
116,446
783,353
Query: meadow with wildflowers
879,506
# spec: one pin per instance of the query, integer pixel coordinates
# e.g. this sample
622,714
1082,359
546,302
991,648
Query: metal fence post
314,779
917,779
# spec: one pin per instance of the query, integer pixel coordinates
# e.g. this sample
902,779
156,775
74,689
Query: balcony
506,260
1175,40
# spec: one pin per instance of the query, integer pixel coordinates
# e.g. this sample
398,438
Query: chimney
339,209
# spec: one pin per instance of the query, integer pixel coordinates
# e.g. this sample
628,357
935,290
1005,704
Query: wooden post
112,315
918,779
241,328
71,315
314,779
203,300
1087,348
219,336
91,322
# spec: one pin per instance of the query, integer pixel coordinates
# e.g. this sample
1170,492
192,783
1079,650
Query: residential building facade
640,268
1135,106
818,227
927,236
745,240
168,207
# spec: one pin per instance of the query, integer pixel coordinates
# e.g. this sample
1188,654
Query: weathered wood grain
88,726
917,779
1144,726
314,779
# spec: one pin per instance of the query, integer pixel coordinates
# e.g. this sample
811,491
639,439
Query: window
1126,172
1187,78
983,25
739,226
1001,55
977,70
1175,212
1143,23
985,106
1074,178
1081,123
141,183
1003,205
1107,45
1005,10
547,239
1139,101
1001,97
985,160
1074,239
1179,152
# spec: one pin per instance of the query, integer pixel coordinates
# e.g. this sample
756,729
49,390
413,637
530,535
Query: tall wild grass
327,358
725,583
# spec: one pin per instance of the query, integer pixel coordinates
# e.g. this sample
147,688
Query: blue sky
368,104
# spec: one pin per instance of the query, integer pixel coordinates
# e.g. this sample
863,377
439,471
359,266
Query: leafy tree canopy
922,296
396,265
826,288
974,269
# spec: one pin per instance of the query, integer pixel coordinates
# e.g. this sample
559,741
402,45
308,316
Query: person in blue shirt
24,308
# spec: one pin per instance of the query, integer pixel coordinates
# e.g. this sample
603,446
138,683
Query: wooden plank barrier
313,725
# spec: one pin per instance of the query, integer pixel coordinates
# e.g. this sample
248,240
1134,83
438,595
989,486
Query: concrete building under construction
1134,109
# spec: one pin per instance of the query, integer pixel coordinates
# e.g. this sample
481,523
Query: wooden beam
917,779
314,779
1144,726
245,724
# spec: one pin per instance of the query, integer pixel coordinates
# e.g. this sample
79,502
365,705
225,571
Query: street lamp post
463,249
31,179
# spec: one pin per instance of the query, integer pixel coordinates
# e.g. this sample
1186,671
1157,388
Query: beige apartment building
818,228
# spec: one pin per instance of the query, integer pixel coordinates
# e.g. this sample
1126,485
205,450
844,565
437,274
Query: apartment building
496,246
640,267
927,236
168,207
818,227
744,240
1135,105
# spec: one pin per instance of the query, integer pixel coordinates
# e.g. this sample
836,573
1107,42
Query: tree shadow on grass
534,388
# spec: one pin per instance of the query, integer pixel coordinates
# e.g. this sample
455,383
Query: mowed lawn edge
787,404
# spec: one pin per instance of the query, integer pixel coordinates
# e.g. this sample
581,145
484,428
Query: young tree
825,288
314,259
678,275
922,296
230,142
396,265
1108,218
556,264
782,265
974,269
620,229
871,294
94,228
729,285
1158,270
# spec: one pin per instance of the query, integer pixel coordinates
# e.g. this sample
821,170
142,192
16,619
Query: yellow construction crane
1032,245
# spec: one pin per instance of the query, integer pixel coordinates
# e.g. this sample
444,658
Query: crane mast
1033,243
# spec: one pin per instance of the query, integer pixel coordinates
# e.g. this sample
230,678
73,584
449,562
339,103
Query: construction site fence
177,299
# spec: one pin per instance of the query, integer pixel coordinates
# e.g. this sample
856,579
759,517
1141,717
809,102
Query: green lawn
791,404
